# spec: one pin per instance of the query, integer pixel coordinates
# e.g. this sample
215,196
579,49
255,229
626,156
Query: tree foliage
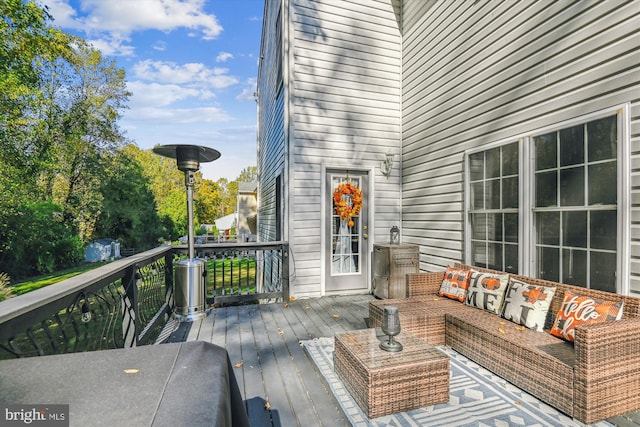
68,174
128,207
59,105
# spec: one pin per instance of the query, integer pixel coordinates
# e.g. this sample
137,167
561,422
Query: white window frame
526,225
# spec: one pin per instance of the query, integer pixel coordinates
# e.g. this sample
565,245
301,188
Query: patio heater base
189,292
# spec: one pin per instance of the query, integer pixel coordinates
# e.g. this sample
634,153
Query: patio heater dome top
188,157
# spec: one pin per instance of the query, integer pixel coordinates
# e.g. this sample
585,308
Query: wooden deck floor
272,369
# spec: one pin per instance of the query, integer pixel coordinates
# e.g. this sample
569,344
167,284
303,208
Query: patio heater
189,274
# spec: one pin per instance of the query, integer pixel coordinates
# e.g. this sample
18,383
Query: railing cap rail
235,245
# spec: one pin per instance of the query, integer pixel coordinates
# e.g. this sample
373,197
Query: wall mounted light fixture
387,164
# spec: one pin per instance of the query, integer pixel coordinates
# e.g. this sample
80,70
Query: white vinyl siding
479,72
345,112
339,108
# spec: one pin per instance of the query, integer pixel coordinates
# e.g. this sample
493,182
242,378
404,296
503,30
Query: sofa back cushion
455,283
486,291
581,310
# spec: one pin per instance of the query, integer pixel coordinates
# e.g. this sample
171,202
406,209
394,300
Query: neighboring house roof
226,222
247,187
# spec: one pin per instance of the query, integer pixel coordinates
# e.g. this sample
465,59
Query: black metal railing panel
117,305
244,272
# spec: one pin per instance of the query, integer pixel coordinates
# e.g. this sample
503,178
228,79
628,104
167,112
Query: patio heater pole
189,179
190,274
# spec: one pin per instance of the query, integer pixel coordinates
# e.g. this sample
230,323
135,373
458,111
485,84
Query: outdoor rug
477,398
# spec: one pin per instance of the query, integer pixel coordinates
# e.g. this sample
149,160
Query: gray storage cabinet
391,263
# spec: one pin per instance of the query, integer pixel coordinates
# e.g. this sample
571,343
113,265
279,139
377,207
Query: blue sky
191,66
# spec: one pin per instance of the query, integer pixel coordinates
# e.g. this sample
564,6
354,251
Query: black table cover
189,384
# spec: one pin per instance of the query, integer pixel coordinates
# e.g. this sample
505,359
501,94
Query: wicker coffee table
384,383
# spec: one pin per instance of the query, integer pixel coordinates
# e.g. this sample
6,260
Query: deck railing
127,302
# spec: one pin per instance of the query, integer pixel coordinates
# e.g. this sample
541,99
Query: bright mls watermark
34,415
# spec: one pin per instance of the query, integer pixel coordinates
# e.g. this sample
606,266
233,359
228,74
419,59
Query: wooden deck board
284,343
254,392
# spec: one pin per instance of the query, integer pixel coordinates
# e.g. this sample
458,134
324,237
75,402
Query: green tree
129,211
208,204
92,94
167,185
59,106
248,174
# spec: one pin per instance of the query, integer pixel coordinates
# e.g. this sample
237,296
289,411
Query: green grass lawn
42,281
227,276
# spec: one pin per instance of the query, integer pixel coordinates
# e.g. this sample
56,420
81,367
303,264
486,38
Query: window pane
479,226
476,166
574,267
493,194
546,189
603,230
477,195
510,160
549,263
603,184
510,193
494,256
548,228
511,228
572,187
494,187
493,163
479,254
602,138
603,271
572,146
494,229
574,229
511,258
546,154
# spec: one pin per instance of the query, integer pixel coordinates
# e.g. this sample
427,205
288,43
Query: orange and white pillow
486,291
527,304
455,283
580,310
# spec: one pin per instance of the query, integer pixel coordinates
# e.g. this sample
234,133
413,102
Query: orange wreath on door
347,198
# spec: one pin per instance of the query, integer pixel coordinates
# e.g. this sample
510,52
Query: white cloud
115,20
177,116
191,73
64,15
159,95
224,57
113,46
160,46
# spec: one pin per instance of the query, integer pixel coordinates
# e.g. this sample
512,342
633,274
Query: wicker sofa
594,378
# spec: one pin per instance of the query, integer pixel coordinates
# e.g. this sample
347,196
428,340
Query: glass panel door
347,232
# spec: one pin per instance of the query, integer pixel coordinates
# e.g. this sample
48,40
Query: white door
347,232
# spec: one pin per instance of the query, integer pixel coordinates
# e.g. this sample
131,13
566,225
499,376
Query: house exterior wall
340,109
271,128
476,73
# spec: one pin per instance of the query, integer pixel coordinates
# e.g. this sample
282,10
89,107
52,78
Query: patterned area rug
477,398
